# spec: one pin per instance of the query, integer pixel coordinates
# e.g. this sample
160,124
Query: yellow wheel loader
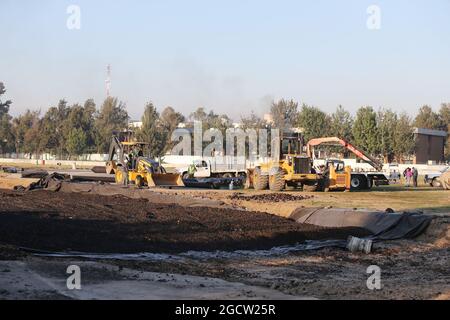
295,169
127,162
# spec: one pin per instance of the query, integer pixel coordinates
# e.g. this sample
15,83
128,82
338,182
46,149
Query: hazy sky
231,56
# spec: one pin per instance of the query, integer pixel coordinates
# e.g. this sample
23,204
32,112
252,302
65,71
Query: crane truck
358,180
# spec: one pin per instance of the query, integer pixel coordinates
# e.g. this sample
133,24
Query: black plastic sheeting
51,182
382,225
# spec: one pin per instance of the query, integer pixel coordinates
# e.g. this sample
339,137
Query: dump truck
127,162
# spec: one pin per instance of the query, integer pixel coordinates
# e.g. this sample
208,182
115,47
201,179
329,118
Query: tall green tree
284,114
211,119
6,135
4,106
199,115
386,120
315,122
27,128
365,131
252,121
428,119
81,118
111,117
170,119
77,141
341,124
53,129
152,132
404,141
444,113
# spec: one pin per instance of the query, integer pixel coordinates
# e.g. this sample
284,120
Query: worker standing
408,176
415,176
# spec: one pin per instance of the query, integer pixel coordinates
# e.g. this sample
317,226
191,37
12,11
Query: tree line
71,130
380,132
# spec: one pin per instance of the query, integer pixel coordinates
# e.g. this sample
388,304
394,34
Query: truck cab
201,168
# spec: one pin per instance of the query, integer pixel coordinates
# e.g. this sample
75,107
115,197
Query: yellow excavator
127,162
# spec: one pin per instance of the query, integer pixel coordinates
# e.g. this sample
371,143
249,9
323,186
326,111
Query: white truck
212,168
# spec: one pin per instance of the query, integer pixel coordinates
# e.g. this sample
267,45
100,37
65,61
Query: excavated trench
60,221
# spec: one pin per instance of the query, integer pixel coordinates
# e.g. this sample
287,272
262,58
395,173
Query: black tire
326,185
215,186
276,181
186,176
228,175
139,182
260,181
435,183
369,184
357,182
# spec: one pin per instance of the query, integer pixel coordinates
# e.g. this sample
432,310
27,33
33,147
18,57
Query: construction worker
130,162
415,176
191,170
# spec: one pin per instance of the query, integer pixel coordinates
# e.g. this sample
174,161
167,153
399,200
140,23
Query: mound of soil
59,221
270,197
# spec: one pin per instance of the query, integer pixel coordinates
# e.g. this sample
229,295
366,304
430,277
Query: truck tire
139,182
358,182
186,176
260,181
276,180
369,184
228,175
436,183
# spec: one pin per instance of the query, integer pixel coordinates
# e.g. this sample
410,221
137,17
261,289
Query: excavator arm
337,141
115,148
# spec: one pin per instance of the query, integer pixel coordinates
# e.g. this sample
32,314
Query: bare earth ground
165,221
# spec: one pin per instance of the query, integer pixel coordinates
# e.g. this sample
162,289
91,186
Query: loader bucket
164,180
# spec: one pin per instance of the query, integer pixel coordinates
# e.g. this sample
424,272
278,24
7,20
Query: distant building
135,124
429,146
268,118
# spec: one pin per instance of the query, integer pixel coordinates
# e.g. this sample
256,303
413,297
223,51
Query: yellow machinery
295,170
128,164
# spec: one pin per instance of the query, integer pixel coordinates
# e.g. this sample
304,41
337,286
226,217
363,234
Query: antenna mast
108,80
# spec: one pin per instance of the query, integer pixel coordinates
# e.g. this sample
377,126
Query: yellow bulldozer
295,169
127,162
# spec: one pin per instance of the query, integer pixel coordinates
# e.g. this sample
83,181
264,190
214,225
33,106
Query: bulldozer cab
292,153
291,144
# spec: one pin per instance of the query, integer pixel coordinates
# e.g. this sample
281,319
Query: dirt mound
270,197
92,223
438,232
